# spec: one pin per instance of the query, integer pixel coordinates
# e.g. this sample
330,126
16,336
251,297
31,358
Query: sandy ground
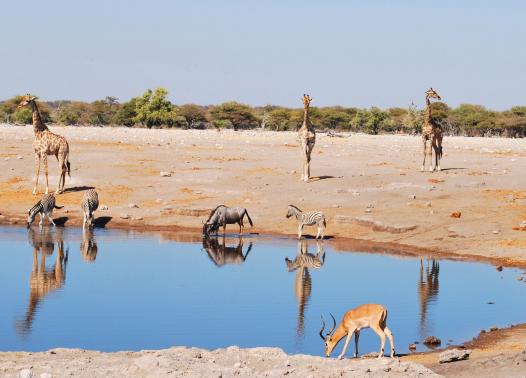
370,188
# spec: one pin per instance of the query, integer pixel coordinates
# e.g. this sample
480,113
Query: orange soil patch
291,145
435,181
14,180
262,170
214,158
478,173
504,193
113,145
514,243
379,164
7,155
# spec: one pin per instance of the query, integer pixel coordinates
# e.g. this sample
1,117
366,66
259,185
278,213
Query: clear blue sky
351,53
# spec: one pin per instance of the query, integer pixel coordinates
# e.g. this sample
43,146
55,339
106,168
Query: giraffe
47,143
307,136
43,280
432,133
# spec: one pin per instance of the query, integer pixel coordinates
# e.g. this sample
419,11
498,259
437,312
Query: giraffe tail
440,152
68,166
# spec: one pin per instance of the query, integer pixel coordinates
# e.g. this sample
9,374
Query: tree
126,114
239,115
413,119
153,109
194,115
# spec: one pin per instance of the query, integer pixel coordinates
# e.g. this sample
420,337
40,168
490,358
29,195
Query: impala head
306,100
26,100
431,93
329,342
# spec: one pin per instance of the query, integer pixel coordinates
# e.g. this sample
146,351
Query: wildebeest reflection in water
428,286
221,254
303,283
43,280
88,245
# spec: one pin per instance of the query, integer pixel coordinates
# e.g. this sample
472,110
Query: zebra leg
84,221
318,233
300,231
51,219
41,220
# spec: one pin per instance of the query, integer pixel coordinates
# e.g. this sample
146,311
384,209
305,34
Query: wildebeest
221,254
223,215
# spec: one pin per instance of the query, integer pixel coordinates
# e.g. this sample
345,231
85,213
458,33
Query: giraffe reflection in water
221,254
88,245
427,290
303,283
43,280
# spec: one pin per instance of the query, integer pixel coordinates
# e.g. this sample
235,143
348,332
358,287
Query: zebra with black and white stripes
310,218
90,203
44,207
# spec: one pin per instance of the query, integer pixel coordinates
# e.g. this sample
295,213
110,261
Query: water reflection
43,280
427,290
221,254
303,283
88,245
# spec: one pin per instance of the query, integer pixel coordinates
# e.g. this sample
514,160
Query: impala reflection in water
303,283
43,280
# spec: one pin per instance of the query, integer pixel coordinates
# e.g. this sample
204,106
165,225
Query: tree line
154,110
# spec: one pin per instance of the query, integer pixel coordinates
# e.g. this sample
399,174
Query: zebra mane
35,206
213,211
295,207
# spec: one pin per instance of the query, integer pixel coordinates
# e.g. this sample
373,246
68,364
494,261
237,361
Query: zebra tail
324,222
58,207
249,220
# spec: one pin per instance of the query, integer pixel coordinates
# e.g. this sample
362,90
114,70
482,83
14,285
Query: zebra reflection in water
303,283
221,254
88,245
43,280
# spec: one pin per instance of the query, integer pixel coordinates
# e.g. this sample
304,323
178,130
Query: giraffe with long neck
431,134
307,136
47,143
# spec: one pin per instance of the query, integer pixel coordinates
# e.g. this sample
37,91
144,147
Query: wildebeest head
209,228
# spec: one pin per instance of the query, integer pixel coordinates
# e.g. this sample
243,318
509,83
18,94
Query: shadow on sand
78,189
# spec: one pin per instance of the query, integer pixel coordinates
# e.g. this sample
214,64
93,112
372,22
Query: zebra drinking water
90,203
44,207
308,219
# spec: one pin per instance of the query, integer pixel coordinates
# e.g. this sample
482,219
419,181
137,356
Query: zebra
44,207
90,203
306,260
308,219
223,215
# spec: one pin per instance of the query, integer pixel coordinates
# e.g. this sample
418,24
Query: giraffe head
306,100
431,93
26,100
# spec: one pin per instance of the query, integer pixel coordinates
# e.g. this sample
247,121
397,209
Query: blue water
143,291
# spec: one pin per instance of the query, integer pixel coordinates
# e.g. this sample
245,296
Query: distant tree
126,114
153,109
194,115
413,119
278,119
239,115
334,118
111,101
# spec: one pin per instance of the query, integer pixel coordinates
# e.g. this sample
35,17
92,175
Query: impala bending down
365,316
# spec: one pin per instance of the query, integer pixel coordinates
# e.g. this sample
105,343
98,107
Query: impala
365,316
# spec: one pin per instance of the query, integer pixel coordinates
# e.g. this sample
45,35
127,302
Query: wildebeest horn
322,328
333,324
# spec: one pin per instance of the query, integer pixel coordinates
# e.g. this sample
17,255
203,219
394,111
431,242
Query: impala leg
391,341
349,336
356,337
380,334
44,158
37,173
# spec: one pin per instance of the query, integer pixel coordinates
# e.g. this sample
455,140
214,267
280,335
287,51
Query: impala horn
322,328
333,324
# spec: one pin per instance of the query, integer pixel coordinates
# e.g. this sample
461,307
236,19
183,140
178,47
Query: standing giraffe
431,134
307,137
47,143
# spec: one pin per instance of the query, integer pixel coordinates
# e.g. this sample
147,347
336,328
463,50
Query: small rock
496,232
493,328
428,204
124,216
412,347
133,205
412,196
137,218
104,207
293,172
520,278
26,373
432,340
368,210
165,174
158,200
456,214
19,157
453,355
46,375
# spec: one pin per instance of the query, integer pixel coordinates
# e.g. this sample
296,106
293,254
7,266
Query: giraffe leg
37,173
62,177
435,149
44,158
425,150
439,149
